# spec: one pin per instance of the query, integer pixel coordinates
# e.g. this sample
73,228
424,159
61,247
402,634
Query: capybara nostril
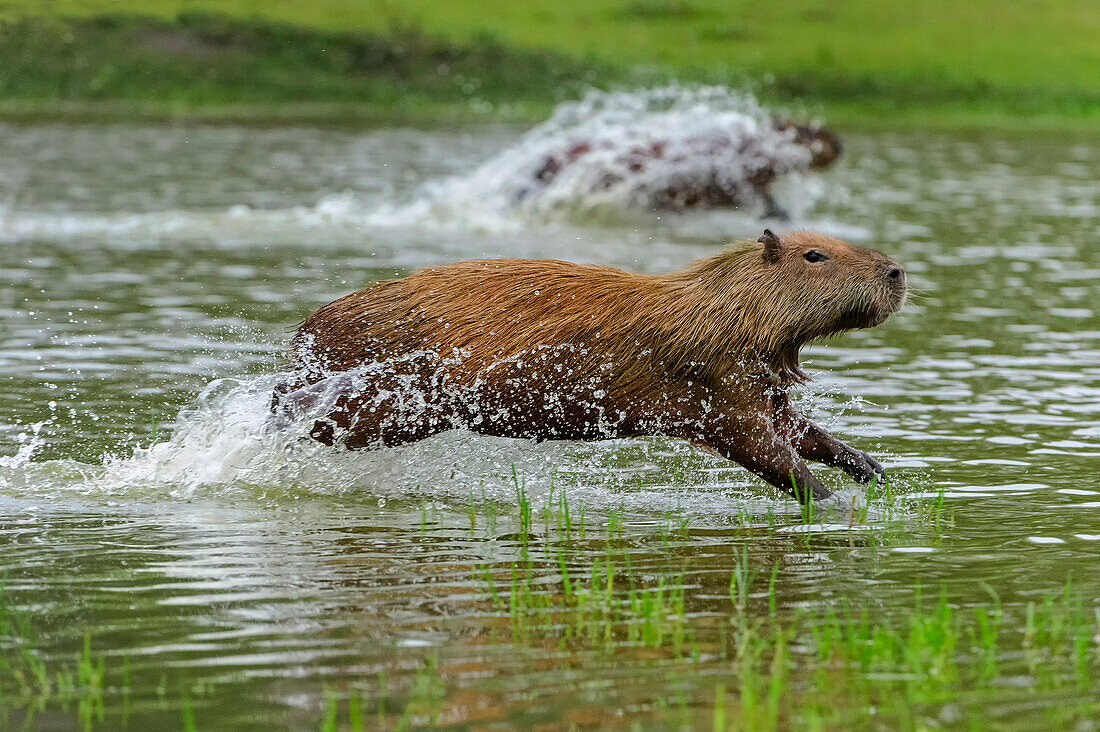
894,274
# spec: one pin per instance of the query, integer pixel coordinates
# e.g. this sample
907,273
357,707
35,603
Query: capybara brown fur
550,350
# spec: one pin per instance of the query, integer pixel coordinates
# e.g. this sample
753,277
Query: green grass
217,67
30,684
936,63
836,666
564,589
560,591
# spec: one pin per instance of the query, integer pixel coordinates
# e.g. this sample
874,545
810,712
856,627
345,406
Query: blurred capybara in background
551,350
709,177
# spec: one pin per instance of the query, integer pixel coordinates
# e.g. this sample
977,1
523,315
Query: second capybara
550,350
714,183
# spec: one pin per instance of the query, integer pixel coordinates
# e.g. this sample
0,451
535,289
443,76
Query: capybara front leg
818,445
753,443
814,443
772,209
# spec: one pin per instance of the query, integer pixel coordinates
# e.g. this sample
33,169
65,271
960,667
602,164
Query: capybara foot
777,213
809,489
772,209
863,467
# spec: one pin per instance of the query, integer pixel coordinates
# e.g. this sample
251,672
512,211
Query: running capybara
713,184
550,350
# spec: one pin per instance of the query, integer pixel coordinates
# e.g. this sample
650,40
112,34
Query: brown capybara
712,185
551,350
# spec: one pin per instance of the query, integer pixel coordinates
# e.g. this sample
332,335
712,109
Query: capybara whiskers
551,350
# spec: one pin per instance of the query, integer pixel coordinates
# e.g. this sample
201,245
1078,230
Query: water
152,275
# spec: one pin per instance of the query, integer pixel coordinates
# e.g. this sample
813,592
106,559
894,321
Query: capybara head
786,291
824,146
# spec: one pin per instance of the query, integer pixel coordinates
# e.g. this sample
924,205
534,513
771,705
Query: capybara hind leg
295,399
358,410
395,410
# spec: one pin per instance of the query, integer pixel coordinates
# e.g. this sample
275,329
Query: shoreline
221,69
841,118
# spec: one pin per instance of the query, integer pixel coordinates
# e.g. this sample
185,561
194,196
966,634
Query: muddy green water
242,582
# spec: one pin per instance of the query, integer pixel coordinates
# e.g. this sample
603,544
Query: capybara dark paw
863,468
808,490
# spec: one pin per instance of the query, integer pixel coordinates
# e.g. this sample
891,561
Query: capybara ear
771,246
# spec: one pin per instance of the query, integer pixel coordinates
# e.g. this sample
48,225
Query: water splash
703,132
226,443
13,468
228,440
619,151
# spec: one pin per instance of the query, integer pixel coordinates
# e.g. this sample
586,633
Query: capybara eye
815,256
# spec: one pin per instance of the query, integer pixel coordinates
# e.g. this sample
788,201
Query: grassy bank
219,68
936,63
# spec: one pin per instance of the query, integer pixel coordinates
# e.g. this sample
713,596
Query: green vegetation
571,590
29,684
933,63
220,68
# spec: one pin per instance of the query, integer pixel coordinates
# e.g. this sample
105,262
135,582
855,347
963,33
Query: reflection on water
141,264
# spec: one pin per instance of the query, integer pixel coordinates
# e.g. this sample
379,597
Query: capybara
550,350
713,184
